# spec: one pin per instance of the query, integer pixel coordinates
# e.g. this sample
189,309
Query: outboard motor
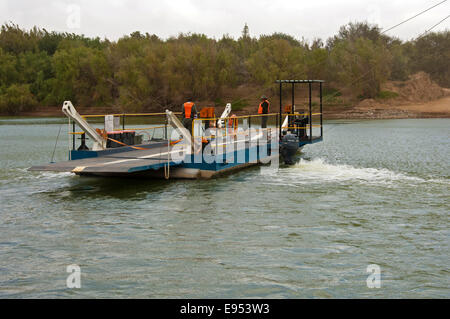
289,147
83,146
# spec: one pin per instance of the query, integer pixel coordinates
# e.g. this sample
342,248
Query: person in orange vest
233,122
264,109
189,112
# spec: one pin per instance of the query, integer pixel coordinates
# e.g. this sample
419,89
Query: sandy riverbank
433,109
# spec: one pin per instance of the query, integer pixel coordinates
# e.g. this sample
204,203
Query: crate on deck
123,136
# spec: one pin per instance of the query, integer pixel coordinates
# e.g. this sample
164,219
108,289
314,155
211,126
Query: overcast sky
299,18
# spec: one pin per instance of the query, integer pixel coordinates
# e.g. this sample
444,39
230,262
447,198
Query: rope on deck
167,170
134,147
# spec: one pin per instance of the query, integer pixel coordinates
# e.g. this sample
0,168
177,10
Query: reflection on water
375,192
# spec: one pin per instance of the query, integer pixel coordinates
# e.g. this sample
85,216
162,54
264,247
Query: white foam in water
55,174
25,174
320,171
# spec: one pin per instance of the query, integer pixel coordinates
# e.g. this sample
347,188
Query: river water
374,192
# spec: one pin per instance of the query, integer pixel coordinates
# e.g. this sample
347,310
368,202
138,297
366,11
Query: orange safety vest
233,122
187,109
260,108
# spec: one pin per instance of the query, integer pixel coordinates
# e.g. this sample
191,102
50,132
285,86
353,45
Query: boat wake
318,170
23,174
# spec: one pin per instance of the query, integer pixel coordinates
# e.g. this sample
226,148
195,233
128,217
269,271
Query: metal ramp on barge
118,161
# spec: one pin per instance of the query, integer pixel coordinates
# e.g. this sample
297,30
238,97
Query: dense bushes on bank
142,71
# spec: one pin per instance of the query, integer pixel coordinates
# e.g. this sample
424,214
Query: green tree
81,74
8,71
16,98
49,41
276,59
316,61
400,62
431,54
354,31
15,40
362,65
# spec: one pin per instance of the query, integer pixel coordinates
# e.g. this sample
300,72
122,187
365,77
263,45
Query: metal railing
122,120
234,126
307,123
236,130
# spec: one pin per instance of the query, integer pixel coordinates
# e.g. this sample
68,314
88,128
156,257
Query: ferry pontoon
166,149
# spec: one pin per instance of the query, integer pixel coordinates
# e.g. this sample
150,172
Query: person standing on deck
302,121
189,111
264,109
